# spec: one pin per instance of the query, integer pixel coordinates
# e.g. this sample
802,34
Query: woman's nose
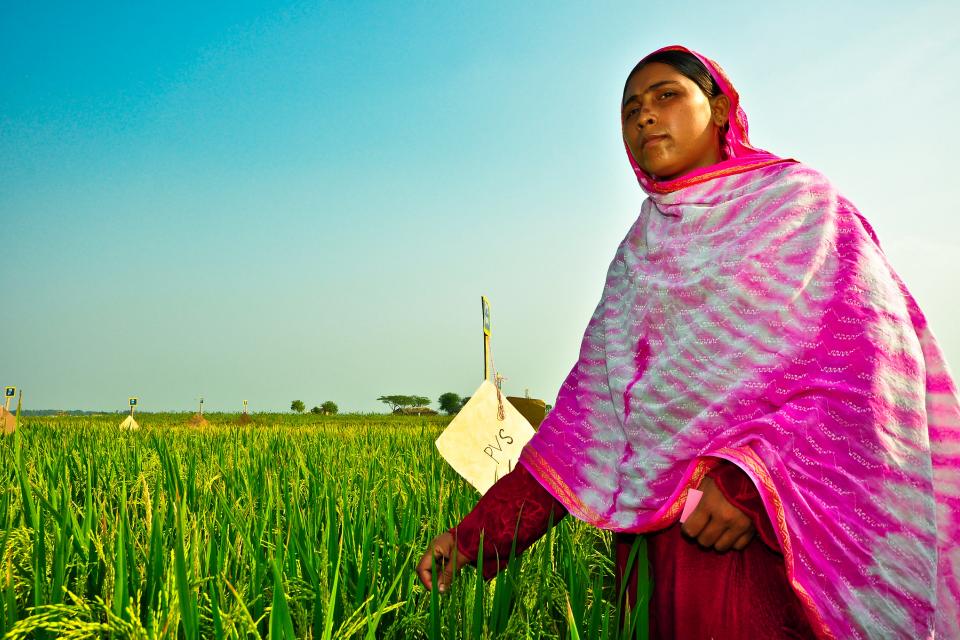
646,118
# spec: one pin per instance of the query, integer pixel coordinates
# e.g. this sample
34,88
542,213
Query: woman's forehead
650,77
651,73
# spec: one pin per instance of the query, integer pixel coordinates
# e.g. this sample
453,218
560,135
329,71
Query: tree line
328,408
449,402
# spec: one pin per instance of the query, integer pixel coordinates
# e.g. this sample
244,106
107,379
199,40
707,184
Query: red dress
698,593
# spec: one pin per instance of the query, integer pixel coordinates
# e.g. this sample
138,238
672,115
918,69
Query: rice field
288,527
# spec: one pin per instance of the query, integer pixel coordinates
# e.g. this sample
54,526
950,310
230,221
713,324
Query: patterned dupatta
750,315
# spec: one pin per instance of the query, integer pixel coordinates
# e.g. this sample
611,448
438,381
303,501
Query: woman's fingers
711,533
439,555
744,540
696,523
423,569
716,523
726,541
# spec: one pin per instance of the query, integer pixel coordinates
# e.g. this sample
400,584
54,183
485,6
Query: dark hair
685,63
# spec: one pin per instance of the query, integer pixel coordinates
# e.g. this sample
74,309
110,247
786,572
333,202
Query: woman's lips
652,140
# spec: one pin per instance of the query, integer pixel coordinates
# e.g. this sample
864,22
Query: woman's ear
720,110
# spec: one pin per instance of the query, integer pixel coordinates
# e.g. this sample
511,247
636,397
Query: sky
290,200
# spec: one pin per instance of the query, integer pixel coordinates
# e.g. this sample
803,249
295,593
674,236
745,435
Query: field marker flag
8,422
130,424
198,420
481,445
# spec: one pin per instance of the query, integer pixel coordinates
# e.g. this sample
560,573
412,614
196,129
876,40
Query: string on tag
497,382
501,415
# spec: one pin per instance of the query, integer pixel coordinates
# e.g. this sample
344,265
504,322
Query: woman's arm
516,503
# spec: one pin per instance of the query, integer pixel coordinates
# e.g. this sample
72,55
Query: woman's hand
442,549
716,523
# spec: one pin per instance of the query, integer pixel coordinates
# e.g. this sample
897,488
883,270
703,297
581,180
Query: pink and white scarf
750,315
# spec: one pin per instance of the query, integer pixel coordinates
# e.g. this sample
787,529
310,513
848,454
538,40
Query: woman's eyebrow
650,88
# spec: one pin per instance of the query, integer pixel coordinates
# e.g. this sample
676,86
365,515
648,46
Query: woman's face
670,126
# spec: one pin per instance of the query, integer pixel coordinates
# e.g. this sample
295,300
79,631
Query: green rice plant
292,526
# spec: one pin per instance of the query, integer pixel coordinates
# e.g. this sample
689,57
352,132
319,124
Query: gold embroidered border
672,514
559,487
750,460
680,183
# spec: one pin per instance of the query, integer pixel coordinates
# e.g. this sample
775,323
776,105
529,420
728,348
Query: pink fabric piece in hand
693,499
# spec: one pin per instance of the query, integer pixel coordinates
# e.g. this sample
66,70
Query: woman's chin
661,175
661,170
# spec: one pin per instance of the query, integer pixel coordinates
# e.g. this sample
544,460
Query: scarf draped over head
749,315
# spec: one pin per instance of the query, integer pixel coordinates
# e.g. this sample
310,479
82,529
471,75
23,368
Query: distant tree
330,408
394,402
398,402
316,410
463,402
298,406
449,402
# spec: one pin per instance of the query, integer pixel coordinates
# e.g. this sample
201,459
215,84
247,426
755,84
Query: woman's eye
666,93
632,112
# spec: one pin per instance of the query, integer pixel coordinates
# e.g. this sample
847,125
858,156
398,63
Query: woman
752,341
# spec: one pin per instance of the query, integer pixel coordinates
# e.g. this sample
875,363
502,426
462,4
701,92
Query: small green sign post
487,364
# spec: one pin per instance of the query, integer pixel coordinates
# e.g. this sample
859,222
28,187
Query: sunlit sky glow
306,200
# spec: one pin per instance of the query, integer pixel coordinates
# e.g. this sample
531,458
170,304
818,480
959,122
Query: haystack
415,411
129,424
198,420
533,409
8,422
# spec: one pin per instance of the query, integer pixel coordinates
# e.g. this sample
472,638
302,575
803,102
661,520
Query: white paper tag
478,445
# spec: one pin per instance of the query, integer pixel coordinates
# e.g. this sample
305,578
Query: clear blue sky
304,200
